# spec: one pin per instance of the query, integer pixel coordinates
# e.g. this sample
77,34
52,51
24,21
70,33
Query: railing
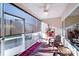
13,45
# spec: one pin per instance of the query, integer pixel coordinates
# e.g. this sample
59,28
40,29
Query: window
13,10
0,47
30,21
0,20
0,28
13,25
38,26
14,21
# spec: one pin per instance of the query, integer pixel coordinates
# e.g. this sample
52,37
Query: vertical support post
2,29
23,41
2,47
23,35
63,31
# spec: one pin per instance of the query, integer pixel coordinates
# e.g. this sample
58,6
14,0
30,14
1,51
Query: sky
15,11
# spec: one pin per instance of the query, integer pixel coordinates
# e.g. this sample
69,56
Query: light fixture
46,12
46,7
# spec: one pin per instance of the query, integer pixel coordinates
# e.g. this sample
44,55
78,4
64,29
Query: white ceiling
55,9
75,12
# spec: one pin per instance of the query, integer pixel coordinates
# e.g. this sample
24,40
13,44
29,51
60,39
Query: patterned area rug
46,50
43,50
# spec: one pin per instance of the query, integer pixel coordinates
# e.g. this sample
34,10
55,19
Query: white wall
44,26
58,31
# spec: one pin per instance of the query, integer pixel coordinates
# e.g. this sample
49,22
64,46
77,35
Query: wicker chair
57,41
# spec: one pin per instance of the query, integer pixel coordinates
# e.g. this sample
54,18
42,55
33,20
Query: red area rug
31,49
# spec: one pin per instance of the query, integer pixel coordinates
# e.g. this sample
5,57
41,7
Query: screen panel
13,25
